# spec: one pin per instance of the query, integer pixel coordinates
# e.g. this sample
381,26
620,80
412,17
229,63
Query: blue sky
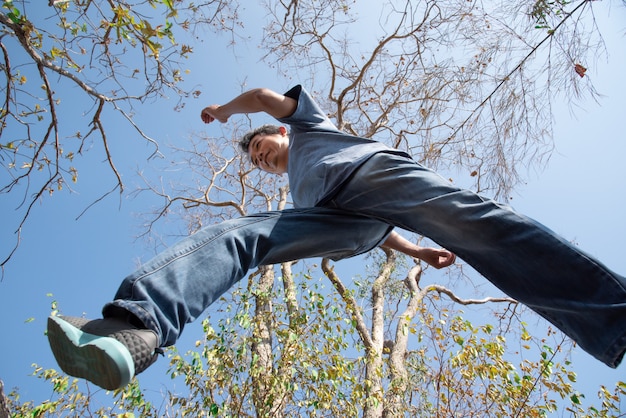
581,195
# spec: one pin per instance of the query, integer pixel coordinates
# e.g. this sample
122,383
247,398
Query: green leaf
14,15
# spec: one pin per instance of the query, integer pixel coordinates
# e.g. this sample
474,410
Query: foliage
457,367
71,400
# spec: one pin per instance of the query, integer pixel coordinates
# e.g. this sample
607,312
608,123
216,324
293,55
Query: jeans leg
526,260
176,286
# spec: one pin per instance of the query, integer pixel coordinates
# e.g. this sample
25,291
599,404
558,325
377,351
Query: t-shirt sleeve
308,116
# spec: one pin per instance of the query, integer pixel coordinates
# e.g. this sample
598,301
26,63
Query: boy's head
268,148
244,142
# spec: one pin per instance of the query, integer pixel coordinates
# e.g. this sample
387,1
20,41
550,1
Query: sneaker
107,352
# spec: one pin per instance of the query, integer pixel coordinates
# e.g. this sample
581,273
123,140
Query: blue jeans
523,258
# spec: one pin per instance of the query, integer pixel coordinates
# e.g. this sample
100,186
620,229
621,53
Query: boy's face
270,152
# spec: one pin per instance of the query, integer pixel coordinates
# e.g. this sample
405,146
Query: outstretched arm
438,258
252,101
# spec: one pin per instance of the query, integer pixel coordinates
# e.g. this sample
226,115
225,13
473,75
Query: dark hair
244,142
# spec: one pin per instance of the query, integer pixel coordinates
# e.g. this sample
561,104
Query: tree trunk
4,403
374,367
398,349
263,389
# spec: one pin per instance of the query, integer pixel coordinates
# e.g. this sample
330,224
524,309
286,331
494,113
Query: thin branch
22,37
442,289
351,304
510,74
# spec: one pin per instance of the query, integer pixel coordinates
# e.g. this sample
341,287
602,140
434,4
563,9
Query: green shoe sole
103,361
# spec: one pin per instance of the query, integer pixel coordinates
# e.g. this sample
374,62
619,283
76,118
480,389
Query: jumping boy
349,194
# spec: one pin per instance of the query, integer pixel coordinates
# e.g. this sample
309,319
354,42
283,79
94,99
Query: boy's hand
438,258
211,113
